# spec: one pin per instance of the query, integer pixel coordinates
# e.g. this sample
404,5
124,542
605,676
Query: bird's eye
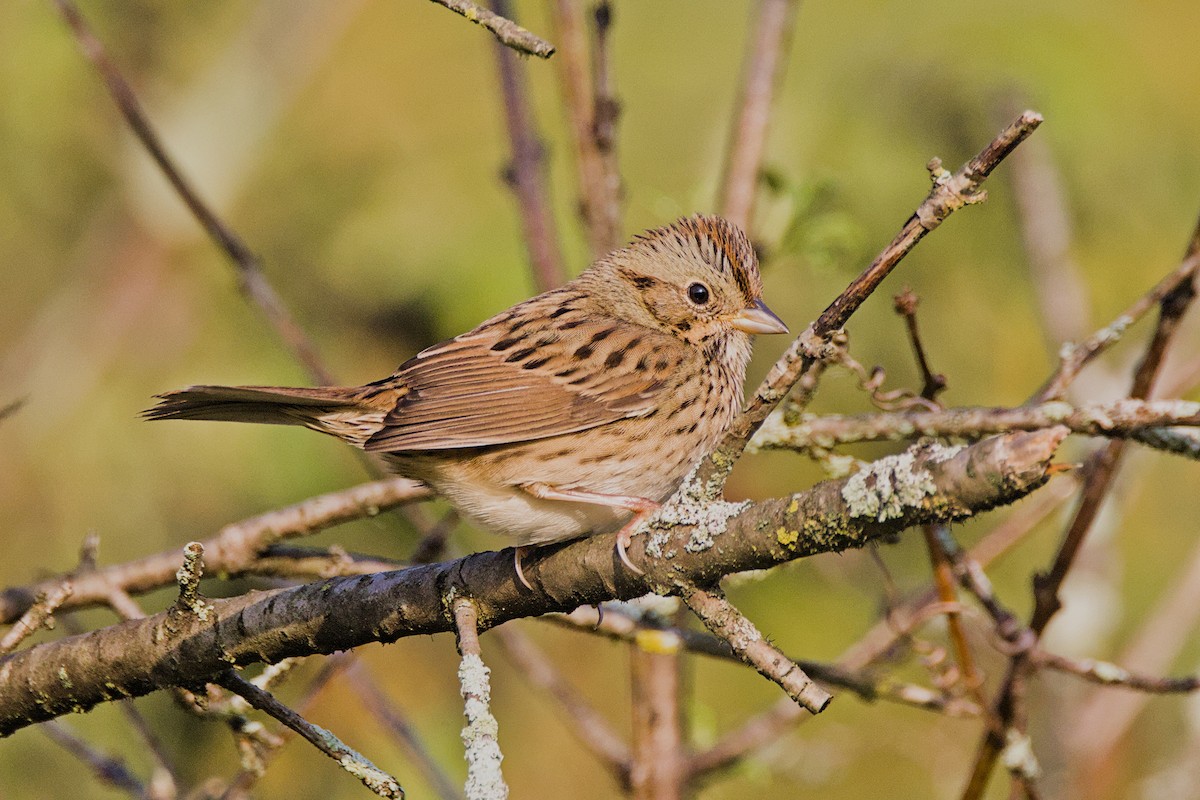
698,293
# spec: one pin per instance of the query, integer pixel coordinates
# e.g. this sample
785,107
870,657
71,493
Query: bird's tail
341,412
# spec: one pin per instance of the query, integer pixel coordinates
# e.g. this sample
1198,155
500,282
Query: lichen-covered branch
723,619
480,736
928,483
1143,420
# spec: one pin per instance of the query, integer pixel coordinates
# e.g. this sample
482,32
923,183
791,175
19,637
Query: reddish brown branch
526,173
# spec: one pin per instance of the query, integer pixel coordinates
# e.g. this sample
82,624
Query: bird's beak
758,319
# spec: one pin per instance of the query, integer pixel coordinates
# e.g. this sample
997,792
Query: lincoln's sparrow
575,412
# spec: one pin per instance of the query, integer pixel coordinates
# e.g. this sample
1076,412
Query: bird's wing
505,383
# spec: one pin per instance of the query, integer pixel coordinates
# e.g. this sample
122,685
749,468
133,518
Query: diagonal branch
252,281
950,193
507,32
233,549
346,757
927,483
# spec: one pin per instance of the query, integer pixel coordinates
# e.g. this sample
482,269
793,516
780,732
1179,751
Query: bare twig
950,193
766,58
1108,674
526,173
386,712
1074,357
1140,419
722,618
108,770
1174,295
944,581
346,757
38,615
485,781
932,384
233,549
589,727
591,111
1103,719
507,32
606,110
617,622
252,281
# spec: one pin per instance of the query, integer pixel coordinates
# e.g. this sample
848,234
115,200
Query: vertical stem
527,172
658,770
766,52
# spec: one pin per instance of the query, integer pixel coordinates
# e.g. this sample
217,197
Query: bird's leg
641,507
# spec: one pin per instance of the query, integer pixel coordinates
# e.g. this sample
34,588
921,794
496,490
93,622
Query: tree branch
927,483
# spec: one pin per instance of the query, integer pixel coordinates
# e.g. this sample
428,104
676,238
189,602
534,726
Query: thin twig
108,770
252,281
766,57
526,173
950,193
589,727
485,781
386,712
507,32
1074,357
346,757
38,615
1108,674
932,384
234,548
574,69
618,622
606,110
1174,295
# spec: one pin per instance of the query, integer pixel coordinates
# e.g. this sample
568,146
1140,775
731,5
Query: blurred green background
358,146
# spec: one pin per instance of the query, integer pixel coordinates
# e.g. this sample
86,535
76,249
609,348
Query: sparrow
573,413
